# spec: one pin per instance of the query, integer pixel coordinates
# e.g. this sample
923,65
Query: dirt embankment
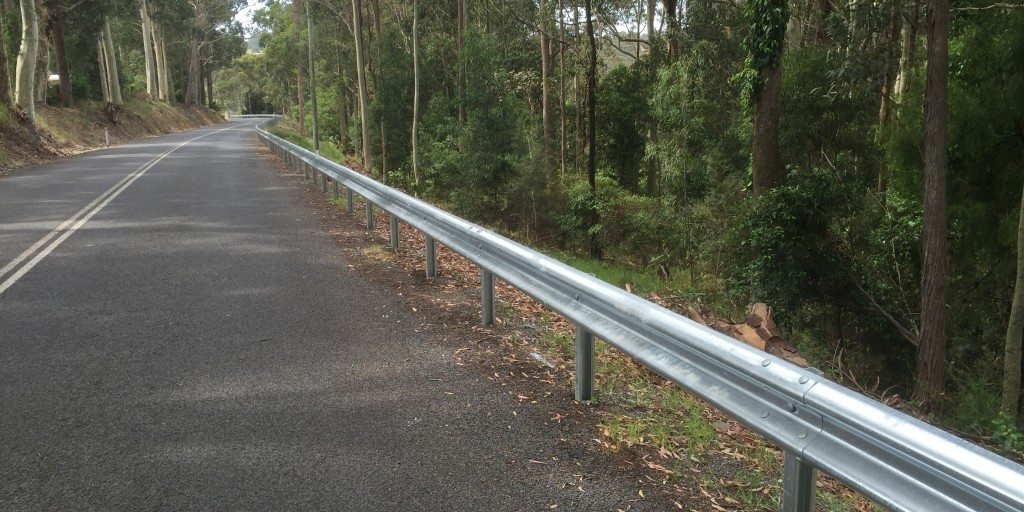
66,131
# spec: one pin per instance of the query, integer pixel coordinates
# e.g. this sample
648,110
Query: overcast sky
244,16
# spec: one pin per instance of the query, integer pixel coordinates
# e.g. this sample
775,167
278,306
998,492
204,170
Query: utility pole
312,80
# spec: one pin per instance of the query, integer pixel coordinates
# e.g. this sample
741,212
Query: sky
244,15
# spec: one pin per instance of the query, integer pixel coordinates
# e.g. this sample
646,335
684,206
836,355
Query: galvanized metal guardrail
898,461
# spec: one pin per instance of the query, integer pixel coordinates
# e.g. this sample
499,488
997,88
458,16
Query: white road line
82,216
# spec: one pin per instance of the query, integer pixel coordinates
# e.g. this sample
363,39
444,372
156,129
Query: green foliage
787,245
623,121
765,38
1006,432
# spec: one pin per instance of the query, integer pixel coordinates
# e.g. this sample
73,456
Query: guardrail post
394,231
798,483
486,297
584,364
369,214
305,168
431,257
323,182
334,189
350,200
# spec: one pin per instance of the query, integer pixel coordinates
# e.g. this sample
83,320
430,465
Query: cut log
758,330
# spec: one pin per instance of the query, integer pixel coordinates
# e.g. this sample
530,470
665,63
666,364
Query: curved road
176,333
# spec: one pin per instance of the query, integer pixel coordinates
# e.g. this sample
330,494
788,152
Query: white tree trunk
104,86
24,81
160,56
113,80
1015,331
147,49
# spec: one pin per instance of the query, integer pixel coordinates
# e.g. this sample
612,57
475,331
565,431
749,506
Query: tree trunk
595,217
43,55
209,88
1015,331
147,50
581,120
931,353
885,105
113,81
460,40
766,161
5,72
673,28
163,74
343,109
417,184
299,93
191,79
908,52
24,81
818,19
653,164
104,85
60,53
547,119
563,124
364,119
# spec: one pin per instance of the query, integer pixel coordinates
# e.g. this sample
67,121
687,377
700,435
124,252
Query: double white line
66,228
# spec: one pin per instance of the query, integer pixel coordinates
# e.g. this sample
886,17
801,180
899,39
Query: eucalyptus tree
24,92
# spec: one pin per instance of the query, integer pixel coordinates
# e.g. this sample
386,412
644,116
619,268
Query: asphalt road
191,340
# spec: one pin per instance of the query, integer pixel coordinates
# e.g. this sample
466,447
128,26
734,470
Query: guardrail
899,462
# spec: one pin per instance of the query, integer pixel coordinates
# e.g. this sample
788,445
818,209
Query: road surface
176,333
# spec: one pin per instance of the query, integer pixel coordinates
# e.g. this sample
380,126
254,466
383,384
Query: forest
858,166
108,51
855,165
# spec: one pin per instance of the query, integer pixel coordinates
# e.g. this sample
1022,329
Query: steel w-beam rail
898,461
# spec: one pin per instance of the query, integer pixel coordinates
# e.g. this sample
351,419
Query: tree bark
893,33
581,119
931,355
460,40
563,123
113,81
43,55
24,81
201,82
191,79
209,87
163,78
907,52
364,119
595,217
415,97
104,85
654,164
1011,398
766,159
671,7
299,93
60,53
5,72
147,50
818,18
547,119
343,108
